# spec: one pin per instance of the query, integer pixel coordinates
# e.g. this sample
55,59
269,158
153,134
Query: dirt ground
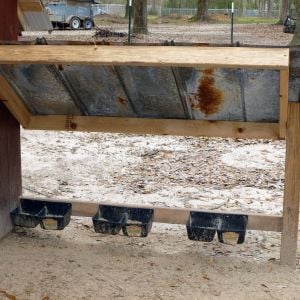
250,34
224,174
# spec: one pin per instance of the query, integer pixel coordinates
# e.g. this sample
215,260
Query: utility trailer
74,15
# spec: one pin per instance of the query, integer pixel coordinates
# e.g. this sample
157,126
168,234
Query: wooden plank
21,17
10,167
171,215
156,126
284,90
14,103
30,5
292,188
220,57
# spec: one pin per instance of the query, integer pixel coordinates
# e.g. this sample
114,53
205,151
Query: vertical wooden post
9,25
292,188
283,103
10,154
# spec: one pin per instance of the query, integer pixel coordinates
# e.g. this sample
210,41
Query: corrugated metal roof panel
150,92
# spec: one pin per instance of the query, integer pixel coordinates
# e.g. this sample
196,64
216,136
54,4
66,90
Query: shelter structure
193,91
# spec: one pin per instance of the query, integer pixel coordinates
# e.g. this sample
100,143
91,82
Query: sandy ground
263,34
225,174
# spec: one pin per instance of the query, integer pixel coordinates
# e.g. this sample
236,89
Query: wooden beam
10,167
14,103
30,5
170,215
156,126
292,188
220,57
283,104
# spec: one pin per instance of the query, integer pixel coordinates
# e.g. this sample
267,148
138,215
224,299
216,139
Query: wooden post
10,154
292,188
9,25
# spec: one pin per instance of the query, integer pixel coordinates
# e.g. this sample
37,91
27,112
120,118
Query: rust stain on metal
122,101
209,97
208,72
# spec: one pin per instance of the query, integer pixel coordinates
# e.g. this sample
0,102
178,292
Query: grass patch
255,20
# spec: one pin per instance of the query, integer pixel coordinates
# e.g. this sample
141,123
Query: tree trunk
127,9
284,10
140,22
296,38
270,8
202,11
244,8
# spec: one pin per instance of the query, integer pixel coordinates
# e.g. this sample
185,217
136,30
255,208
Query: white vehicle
75,15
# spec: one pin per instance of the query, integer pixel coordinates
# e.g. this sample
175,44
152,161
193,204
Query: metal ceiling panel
213,94
149,92
153,92
40,89
261,92
100,90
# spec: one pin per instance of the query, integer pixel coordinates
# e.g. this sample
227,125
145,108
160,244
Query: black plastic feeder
27,214
233,229
139,222
202,226
55,216
109,219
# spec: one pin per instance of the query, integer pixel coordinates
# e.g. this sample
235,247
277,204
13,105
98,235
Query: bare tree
202,11
140,22
296,38
244,8
127,9
284,10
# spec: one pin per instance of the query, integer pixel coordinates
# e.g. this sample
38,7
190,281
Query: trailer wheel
75,23
88,23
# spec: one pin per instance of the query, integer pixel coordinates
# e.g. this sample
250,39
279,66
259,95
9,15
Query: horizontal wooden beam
175,56
156,126
171,215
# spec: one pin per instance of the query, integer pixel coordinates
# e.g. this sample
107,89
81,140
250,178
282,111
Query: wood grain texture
156,126
283,104
211,57
171,215
292,188
10,167
14,103
30,5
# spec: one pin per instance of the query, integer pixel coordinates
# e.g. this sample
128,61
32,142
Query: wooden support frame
224,57
156,126
292,188
277,59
